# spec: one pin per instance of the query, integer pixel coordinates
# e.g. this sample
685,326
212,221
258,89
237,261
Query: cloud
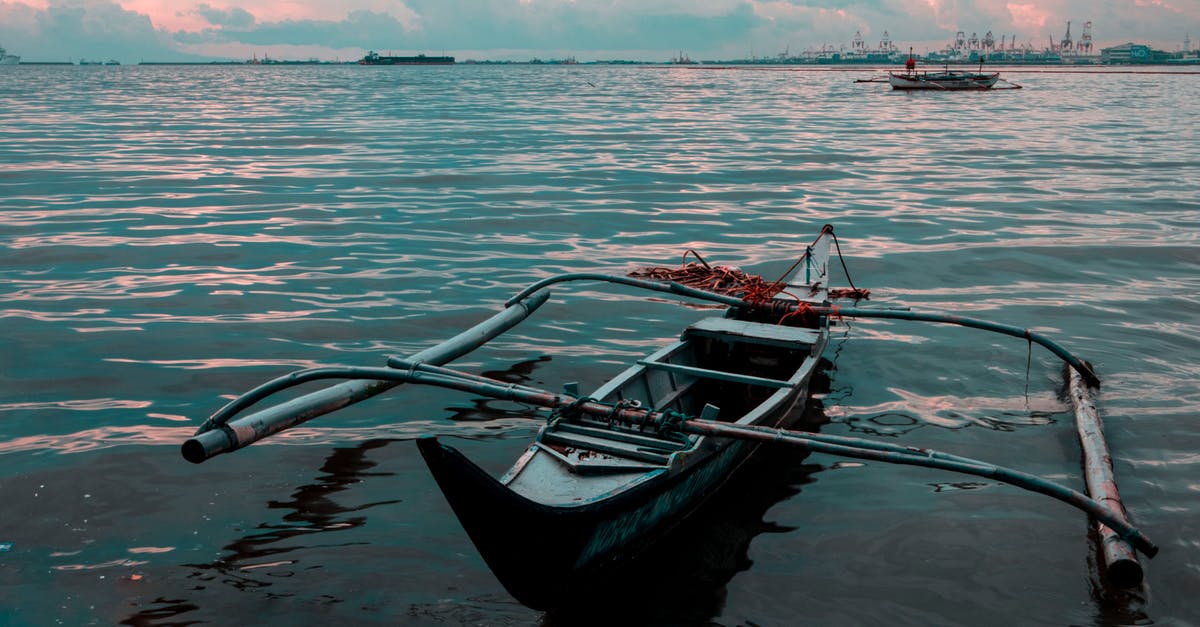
363,29
67,30
581,25
1028,17
510,25
227,18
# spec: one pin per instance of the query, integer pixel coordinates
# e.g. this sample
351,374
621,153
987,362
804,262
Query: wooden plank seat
646,440
606,444
720,375
730,330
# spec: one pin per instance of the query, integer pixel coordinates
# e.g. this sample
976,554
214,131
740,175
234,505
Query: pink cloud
173,15
944,16
1029,18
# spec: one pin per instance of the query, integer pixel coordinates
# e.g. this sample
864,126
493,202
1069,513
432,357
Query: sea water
174,235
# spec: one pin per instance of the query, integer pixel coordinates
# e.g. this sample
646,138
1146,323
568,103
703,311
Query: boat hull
943,81
545,556
547,545
593,490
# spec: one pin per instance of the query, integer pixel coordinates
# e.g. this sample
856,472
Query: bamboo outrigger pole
222,433
411,371
785,306
219,434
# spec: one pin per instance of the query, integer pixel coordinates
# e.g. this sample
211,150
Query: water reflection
915,411
311,509
163,241
1115,606
255,559
488,409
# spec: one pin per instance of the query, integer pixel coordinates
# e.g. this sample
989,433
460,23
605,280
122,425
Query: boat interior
721,368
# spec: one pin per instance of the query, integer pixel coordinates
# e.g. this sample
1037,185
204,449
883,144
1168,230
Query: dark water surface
173,236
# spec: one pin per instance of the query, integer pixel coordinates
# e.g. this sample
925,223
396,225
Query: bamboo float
1123,567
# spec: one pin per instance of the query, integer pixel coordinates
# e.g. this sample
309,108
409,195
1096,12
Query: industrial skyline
169,30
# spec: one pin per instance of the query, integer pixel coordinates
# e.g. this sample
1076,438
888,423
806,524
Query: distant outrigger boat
944,80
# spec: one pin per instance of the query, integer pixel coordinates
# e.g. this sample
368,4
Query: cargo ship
374,58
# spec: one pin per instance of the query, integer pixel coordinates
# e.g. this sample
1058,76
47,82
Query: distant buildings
1132,54
975,49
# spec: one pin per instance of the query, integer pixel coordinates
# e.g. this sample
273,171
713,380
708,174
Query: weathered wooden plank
729,329
718,375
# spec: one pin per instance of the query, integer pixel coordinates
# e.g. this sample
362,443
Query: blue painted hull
943,81
545,555
545,547
591,491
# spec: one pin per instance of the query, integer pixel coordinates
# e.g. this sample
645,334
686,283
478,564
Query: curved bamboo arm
219,435
850,312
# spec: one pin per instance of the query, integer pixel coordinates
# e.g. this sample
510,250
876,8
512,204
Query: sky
650,30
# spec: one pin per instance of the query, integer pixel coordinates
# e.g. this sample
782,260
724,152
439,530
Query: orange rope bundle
717,279
749,287
849,292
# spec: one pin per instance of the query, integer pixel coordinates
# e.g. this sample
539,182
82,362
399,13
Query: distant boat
8,59
944,80
373,58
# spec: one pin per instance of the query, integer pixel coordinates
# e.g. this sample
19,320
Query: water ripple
172,236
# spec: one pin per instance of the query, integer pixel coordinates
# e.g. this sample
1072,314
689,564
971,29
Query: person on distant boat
910,65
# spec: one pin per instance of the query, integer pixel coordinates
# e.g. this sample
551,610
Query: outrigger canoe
589,487
946,80
611,471
942,80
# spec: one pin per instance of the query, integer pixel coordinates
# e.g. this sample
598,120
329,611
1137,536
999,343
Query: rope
828,228
614,414
669,421
751,288
698,258
717,279
1028,366
803,310
854,292
568,411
